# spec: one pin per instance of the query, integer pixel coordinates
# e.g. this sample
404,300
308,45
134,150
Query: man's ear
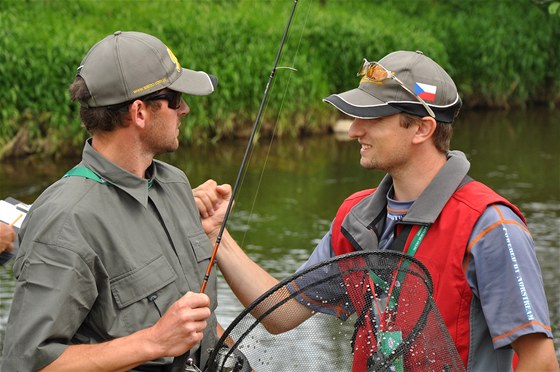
138,113
426,128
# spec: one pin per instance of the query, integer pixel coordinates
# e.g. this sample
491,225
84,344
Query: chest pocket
144,293
201,246
202,249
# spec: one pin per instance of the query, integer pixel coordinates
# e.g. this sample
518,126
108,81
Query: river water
292,189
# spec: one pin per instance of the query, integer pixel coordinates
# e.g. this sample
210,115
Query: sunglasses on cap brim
376,72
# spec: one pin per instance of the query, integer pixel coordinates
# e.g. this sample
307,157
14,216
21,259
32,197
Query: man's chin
367,164
168,149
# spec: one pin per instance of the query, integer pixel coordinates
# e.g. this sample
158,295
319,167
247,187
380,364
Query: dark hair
442,134
105,118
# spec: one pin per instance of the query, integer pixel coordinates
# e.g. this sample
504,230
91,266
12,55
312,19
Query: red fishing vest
443,251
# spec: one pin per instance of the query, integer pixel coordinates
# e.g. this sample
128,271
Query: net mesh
364,311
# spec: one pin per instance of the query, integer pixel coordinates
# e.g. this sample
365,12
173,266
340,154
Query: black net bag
363,311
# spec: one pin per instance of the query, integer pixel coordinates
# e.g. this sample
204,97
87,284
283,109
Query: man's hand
212,201
179,329
7,237
182,325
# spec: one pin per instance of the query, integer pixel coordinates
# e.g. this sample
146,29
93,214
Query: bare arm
536,353
246,279
249,281
178,330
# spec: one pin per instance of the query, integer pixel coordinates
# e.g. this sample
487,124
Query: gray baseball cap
128,65
419,74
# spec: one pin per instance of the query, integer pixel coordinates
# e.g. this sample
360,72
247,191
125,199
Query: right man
475,243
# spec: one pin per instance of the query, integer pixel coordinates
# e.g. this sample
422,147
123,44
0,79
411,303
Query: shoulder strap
79,171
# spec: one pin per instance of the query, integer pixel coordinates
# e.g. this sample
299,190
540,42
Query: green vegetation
501,54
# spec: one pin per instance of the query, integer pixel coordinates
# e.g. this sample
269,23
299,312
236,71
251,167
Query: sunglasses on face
376,72
172,97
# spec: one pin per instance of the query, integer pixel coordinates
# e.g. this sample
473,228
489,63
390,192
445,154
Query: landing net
368,311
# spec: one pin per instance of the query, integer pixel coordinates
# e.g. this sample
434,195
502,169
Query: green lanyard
86,173
418,237
401,240
420,234
89,174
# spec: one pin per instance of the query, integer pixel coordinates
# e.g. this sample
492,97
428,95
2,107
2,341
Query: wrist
212,236
148,344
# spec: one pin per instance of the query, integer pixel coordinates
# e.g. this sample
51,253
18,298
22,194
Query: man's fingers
195,300
183,324
206,198
204,203
224,190
209,196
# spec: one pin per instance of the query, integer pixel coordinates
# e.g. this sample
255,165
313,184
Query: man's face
385,145
162,129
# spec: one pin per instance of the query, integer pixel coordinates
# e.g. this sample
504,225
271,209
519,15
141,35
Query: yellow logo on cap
151,85
174,59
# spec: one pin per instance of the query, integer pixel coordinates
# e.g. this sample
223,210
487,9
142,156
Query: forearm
246,279
536,353
121,354
249,281
178,330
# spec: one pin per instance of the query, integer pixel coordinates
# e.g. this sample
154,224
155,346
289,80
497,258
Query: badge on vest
388,342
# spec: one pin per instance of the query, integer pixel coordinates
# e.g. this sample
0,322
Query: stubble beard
158,141
372,164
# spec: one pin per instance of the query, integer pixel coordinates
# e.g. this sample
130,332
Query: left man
113,254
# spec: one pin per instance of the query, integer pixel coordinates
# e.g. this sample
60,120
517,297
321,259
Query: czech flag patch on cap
425,91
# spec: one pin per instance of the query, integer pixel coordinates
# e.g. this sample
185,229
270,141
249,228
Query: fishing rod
247,151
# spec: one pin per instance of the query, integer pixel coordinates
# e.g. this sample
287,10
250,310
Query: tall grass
501,54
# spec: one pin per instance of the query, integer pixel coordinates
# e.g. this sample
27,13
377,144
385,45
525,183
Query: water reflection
292,189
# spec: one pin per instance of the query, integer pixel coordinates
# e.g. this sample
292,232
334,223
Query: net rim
427,279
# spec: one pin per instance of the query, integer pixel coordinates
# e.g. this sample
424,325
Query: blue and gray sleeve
505,276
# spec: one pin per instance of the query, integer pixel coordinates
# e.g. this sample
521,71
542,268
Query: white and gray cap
419,73
128,65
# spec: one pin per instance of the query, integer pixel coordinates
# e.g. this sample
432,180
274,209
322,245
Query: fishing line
251,210
247,152
273,136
